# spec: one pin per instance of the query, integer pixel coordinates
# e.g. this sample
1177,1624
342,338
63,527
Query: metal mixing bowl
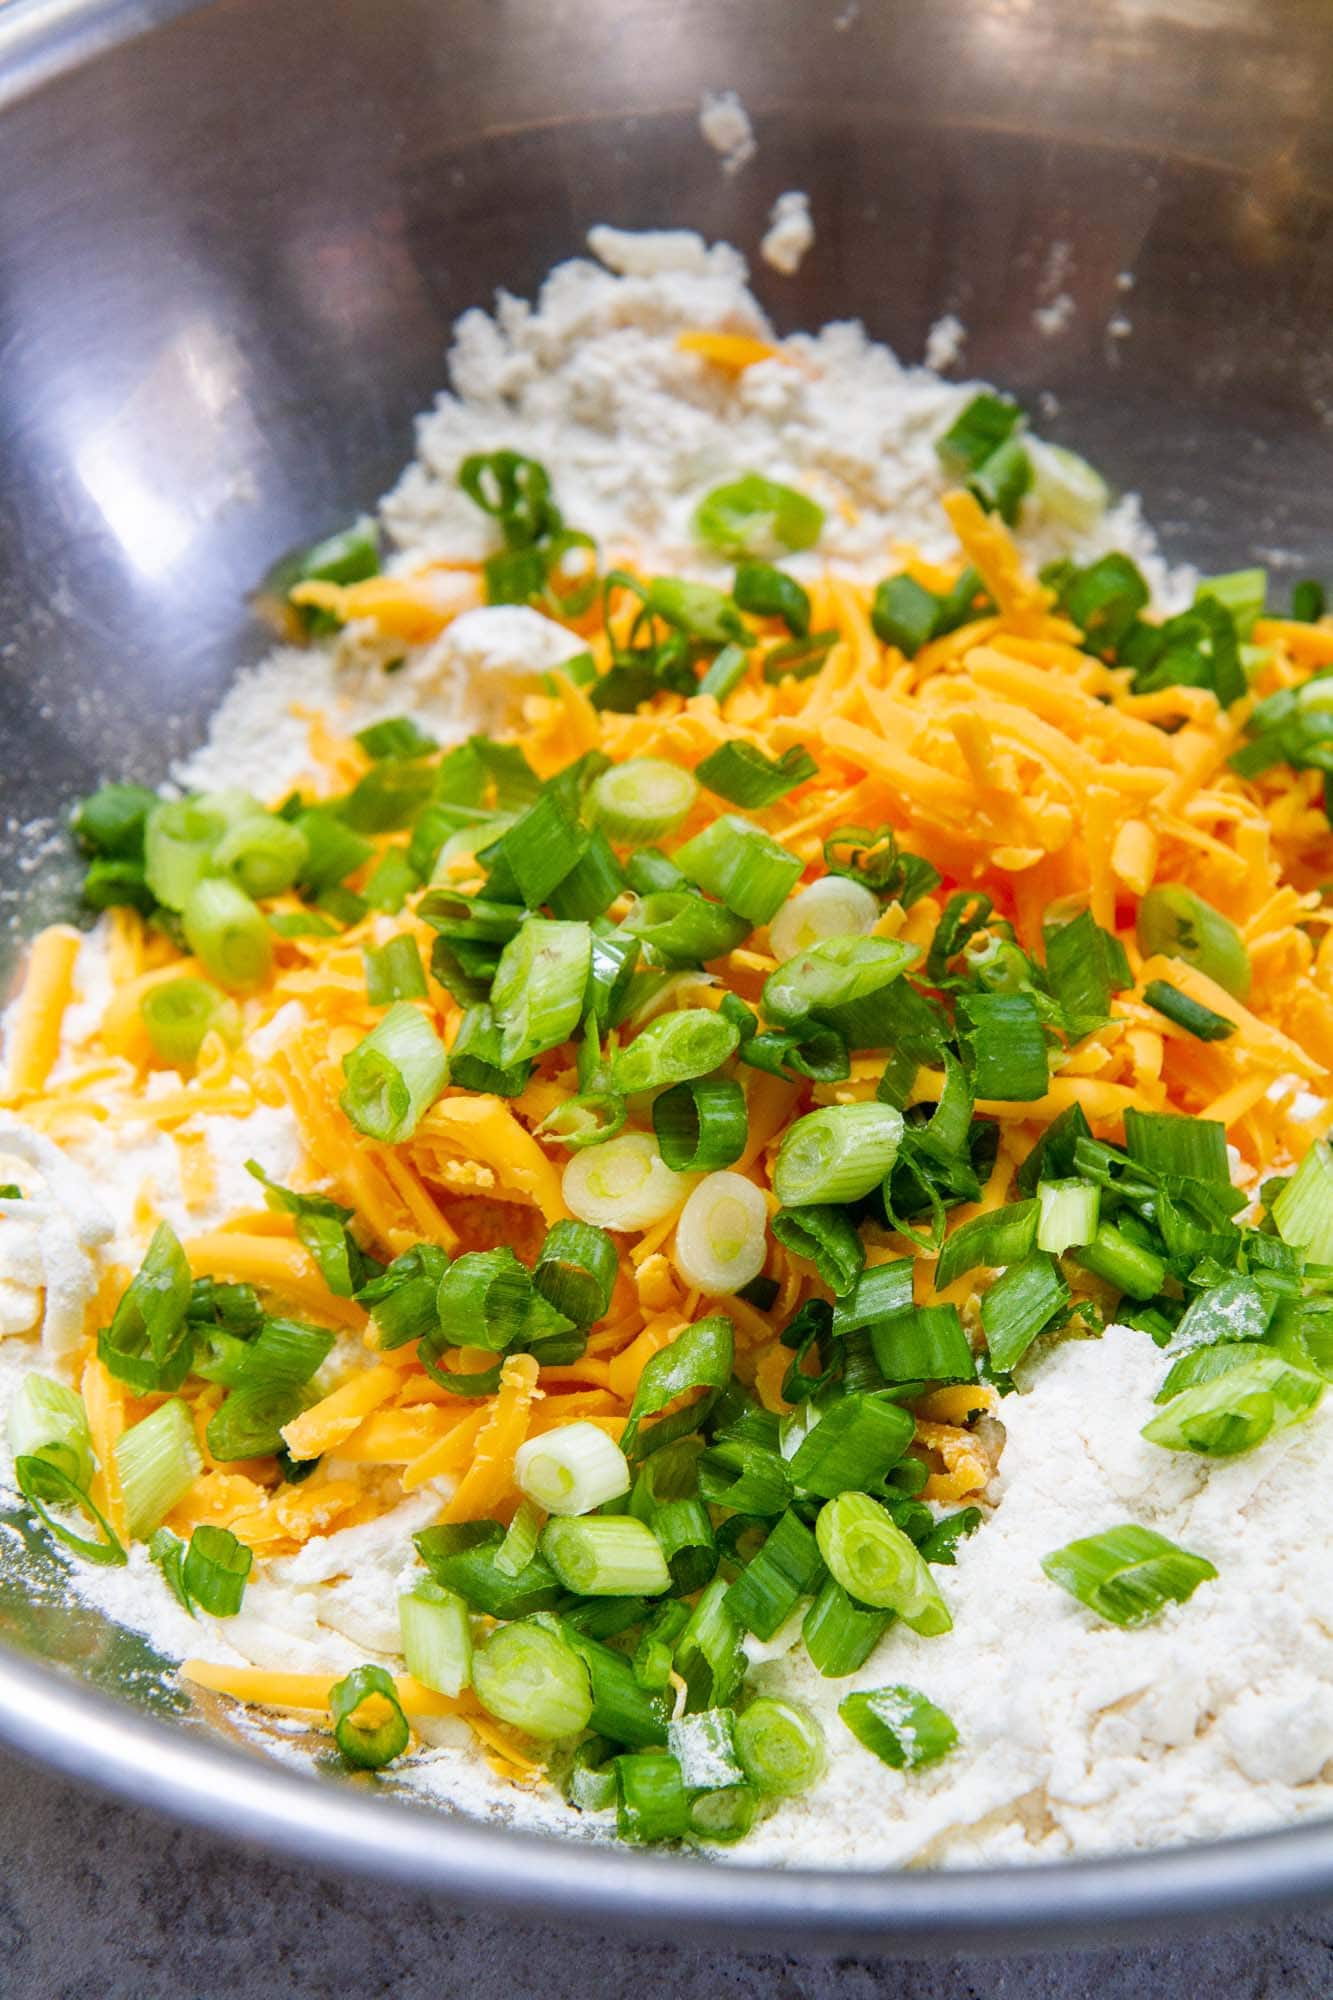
234,237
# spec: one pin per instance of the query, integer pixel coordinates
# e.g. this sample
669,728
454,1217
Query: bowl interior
231,272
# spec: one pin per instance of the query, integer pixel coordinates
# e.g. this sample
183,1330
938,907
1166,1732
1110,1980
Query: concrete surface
100,1903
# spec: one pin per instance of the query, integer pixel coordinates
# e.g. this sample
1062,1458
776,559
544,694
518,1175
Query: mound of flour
634,431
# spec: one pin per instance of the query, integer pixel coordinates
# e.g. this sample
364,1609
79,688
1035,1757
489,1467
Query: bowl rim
342,1827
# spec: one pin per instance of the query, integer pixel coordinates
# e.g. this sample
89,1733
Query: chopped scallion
608,1555
227,932
1175,922
653,1803
571,1470
876,1563
743,775
215,1569
901,1726
158,1460
832,907
701,1124
538,989
369,1726
744,867
781,1746
394,1075
1127,1575
1202,1022
437,1637
179,1013
836,1154
674,1048
722,1234
754,516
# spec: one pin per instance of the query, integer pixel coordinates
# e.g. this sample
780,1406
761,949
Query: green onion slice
227,932
743,775
215,1570
653,1804
539,984
250,1423
576,1271
44,1485
840,1634
877,1564
394,971
999,1237
1068,1213
1020,1304
436,1630
832,908
985,423
369,1726
1127,1575
1303,1209
572,1469
532,1678
781,1746
1003,1037
642,798
770,593
685,929
263,854
826,1234
902,1726
740,864
1070,490
111,821
925,1345
179,1013
609,1555
674,1048
699,1358
770,1586
158,1460
179,836
623,1184
722,1234
701,1124
394,1075
1238,1410
836,1154
48,1420
755,517
1176,923
704,1745
852,1446
1202,1022
150,1343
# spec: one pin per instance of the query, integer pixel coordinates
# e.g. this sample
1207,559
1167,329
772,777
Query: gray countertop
101,1903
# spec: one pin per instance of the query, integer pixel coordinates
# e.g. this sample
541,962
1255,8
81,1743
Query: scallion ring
369,1726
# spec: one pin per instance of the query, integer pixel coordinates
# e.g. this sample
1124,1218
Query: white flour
724,124
790,234
945,343
635,432
1074,1736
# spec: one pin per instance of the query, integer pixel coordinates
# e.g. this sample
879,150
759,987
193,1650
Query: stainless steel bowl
234,237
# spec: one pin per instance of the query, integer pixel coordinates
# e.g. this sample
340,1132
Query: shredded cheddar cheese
1019,764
